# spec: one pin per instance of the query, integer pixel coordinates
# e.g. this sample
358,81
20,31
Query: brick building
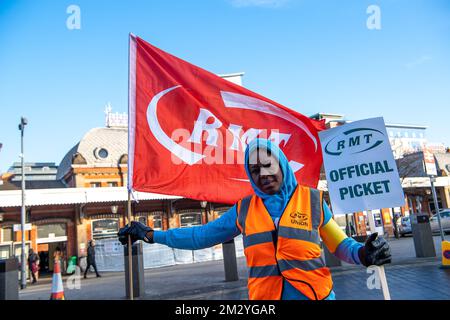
91,202
90,198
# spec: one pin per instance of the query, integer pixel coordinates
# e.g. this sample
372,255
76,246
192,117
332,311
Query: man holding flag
281,220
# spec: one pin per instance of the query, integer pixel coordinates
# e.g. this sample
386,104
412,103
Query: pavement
409,278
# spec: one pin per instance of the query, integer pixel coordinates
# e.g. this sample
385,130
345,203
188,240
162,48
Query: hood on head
278,201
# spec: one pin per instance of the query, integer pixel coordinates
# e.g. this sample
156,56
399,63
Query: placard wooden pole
383,282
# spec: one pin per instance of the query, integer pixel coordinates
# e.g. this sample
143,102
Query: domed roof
100,147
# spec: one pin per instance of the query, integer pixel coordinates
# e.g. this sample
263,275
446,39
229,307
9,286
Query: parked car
445,221
405,226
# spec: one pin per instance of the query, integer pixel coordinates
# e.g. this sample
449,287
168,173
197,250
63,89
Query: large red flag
188,129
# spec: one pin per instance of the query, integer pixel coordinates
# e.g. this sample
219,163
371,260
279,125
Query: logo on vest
299,219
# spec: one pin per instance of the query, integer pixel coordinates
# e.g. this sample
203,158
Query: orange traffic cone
57,284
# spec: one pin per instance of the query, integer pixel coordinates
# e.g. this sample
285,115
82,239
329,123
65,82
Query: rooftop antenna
108,111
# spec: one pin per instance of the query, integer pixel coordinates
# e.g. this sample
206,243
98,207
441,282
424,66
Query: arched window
51,230
190,219
6,238
5,251
157,222
6,234
142,219
105,228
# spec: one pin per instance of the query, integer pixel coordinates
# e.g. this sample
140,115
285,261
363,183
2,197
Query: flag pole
130,252
131,87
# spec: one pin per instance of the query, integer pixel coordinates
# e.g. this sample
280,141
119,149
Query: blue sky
310,55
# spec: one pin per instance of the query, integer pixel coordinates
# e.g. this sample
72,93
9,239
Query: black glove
376,251
136,230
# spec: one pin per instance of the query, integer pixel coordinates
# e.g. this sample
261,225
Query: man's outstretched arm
193,238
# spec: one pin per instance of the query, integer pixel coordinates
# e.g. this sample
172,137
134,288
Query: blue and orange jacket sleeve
200,237
336,240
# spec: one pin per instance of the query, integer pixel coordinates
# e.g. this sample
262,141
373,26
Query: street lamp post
23,278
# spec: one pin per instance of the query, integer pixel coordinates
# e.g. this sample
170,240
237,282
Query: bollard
330,259
137,270
9,285
229,261
423,237
446,254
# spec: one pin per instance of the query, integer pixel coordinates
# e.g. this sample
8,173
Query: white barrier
239,243
183,256
158,255
109,255
203,255
217,252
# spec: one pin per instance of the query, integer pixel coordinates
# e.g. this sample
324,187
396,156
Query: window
17,250
142,220
96,184
157,222
5,251
51,231
103,153
113,184
433,207
377,219
190,219
445,214
105,228
6,234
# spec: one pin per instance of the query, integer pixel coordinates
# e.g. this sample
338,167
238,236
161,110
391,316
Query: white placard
360,167
430,162
18,227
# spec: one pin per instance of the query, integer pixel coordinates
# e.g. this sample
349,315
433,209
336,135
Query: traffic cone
57,284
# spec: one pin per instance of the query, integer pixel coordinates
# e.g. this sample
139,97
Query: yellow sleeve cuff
332,235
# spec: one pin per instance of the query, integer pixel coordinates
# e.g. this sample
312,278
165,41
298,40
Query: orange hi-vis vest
292,251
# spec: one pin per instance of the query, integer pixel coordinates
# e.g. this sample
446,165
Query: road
409,278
